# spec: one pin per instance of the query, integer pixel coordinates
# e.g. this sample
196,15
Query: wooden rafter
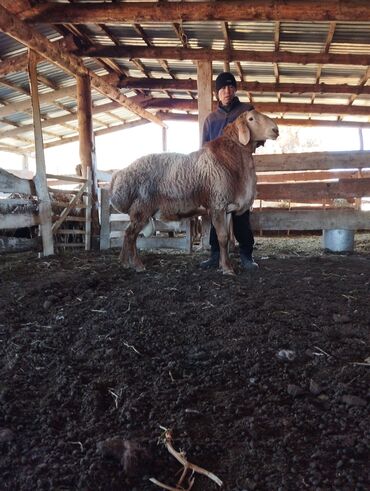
291,88
140,31
277,47
205,54
12,26
277,108
222,10
361,85
225,32
79,33
100,132
326,48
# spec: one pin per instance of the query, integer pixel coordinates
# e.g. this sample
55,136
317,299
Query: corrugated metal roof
265,37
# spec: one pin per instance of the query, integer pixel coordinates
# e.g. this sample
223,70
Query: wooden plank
118,217
45,212
222,10
312,161
18,244
104,176
88,203
70,231
155,243
72,219
62,204
344,188
58,178
68,208
310,219
188,237
12,221
160,226
9,204
104,219
311,176
71,245
9,183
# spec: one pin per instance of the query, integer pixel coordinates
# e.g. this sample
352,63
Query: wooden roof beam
181,34
227,47
14,64
206,54
280,121
223,10
60,120
291,88
17,29
329,39
276,108
49,98
277,47
104,131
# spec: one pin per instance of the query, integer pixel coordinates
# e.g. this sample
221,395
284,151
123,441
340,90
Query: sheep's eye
250,119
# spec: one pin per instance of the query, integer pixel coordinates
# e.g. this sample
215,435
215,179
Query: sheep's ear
244,134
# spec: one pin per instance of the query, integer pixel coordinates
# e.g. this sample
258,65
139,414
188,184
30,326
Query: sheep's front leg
129,255
124,254
220,223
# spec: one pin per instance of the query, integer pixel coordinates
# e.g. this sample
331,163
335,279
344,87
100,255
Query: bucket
338,240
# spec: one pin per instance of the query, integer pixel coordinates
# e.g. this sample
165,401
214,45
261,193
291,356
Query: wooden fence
295,192
173,235
312,191
71,211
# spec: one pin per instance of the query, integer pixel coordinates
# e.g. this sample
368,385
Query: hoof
139,268
228,272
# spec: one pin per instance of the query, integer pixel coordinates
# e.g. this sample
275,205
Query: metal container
338,240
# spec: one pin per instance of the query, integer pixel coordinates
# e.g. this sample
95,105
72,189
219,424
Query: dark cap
224,79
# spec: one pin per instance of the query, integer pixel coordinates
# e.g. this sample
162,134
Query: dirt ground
263,379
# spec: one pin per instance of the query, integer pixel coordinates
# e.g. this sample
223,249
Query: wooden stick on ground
186,464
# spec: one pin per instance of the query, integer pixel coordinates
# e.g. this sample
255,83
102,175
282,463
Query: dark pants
242,231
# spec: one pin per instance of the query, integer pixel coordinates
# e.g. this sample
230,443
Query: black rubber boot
212,262
248,263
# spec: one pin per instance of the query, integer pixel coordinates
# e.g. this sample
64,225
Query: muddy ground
263,379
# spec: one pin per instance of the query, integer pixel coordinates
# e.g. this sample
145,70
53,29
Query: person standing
229,108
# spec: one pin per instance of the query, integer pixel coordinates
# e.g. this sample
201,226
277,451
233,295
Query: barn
175,377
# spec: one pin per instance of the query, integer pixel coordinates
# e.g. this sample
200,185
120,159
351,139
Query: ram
220,178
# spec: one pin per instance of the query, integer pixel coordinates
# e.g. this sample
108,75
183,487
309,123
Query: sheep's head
252,126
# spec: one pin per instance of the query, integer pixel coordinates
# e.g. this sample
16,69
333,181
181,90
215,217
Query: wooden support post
164,139
204,70
88,203
188,236
87,147
104,219
25,163
204,78
359,171
40,177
